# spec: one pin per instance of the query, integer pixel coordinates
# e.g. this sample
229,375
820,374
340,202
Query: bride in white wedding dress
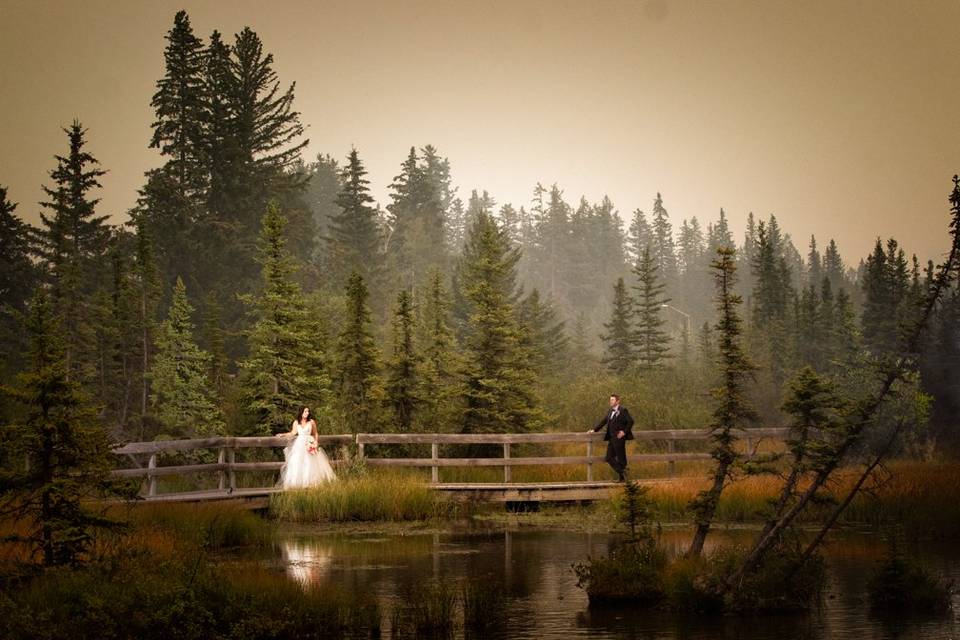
306,463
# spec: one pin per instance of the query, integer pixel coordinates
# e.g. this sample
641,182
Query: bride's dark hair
299,419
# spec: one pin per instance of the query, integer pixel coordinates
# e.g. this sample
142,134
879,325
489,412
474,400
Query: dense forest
247,280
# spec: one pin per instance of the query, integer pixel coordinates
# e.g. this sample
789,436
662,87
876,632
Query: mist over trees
281,281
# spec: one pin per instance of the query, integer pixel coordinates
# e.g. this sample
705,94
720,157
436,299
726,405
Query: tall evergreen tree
183,401
72,244
356,377
543,333
179,104
278,374
354,236
440,364
619,340
498,393
18,277
651,343
402,376
639,236
68,451
732,409
662,246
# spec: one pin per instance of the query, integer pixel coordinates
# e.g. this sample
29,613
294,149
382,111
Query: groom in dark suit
619,425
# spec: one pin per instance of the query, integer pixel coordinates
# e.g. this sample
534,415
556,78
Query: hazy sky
838,117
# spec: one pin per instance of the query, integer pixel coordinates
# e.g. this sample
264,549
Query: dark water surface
533,569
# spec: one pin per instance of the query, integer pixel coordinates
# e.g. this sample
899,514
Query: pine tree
68,451
732,409
72,244
543,334
620,339
662,247
440,363
179,105
639,236
418,231
402,378
182,398
814,264
322,189
356,378
498,378
17,273
276,375
833,266
354,237
651,343
18,277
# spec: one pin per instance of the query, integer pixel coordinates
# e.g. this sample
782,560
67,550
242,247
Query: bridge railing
590,440
227,466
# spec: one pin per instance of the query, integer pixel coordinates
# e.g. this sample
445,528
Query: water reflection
532,569
306,561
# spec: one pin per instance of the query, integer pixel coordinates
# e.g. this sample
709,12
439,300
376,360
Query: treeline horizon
247,282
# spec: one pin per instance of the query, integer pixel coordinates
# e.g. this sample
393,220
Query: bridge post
434,470
507,475
749,448
221,476
231,458
589,460
152,479
671,465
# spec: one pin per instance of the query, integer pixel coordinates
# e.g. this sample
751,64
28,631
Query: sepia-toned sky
839,117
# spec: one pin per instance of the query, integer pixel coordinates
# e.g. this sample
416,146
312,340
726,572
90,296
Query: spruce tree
498,379
17,278
639,236
181,395
662,247
356,372
402,377
651,343
277,375
179,106
67,451
440,362
543,334
72,244
732,409
17,272
620,339
354,235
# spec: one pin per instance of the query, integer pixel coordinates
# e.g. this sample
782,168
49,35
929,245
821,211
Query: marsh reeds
372,497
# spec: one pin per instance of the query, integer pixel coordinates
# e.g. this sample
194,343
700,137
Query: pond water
532,567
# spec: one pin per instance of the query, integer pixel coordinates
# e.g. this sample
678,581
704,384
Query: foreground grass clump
177,599
902,584
214,526
364,498
161,578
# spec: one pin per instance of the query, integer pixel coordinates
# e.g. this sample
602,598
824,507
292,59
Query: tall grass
372,497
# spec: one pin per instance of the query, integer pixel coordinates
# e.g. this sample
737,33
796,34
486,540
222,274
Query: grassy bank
390,497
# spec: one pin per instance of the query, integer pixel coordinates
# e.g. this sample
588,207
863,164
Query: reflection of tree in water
307,562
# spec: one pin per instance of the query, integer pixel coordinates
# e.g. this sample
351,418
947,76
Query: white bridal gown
304,469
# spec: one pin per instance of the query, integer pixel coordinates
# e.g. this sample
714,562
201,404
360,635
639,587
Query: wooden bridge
144,458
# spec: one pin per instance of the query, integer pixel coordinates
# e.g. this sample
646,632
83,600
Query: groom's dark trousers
617,420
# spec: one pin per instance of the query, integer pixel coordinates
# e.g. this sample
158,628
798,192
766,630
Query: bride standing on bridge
306,463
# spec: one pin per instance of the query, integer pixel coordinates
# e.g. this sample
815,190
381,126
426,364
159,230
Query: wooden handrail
226,466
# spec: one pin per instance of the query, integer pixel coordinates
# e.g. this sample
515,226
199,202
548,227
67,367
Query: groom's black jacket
622,422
